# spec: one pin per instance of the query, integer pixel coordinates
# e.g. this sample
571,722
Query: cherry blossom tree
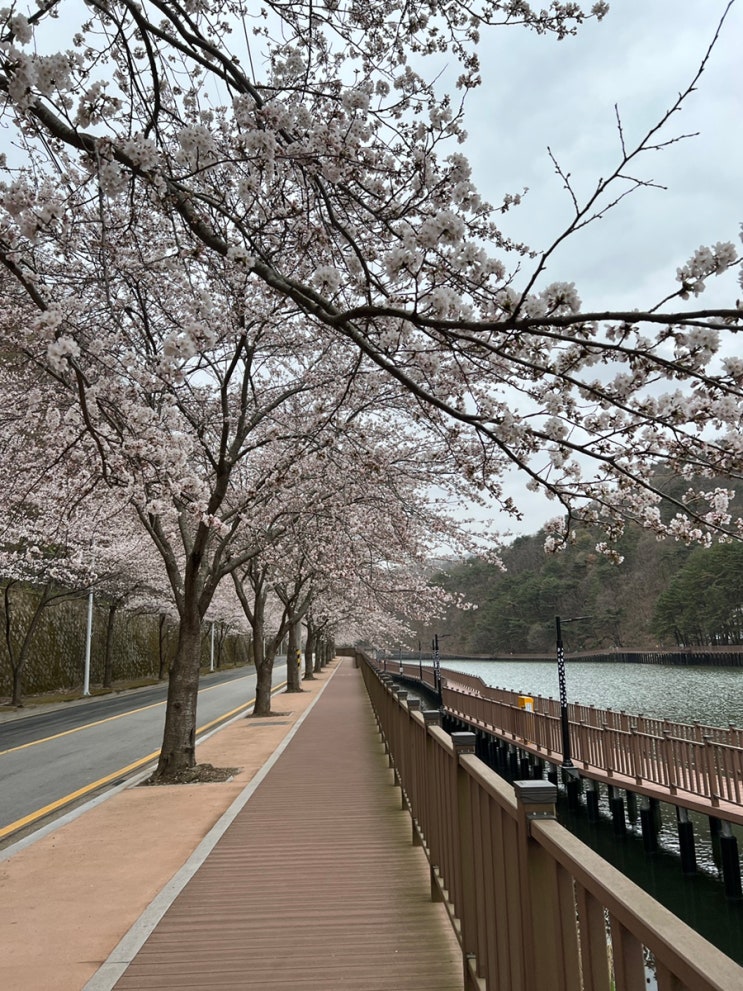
306,142
225,619
252,588
62,535
197,171
169,376
359,546
361,493
130,578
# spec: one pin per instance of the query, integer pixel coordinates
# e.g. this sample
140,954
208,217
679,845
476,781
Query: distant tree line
663,594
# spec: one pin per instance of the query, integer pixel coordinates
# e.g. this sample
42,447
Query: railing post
551,956
432,717
464,743
394,749
686,841
415,783
730,861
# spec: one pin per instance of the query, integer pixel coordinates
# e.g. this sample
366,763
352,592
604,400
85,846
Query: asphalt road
53,759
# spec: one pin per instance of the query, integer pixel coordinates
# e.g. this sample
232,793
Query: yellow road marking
108,719
53,806
78,729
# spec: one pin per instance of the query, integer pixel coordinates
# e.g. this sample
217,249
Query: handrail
705,761
617,719
533,907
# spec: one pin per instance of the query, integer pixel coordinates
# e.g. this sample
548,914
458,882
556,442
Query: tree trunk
263,666
162,656
309,653
263,686
108,659
221,636
18,660
263,683
178,751
293,658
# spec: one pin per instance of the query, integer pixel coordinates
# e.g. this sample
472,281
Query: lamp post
89,627
88,641
437,659
567,762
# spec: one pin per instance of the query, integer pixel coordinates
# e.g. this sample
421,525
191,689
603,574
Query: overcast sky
538,92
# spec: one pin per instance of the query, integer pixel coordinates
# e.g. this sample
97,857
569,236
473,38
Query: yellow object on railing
526,702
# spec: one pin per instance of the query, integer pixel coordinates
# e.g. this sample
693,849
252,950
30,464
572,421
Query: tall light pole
567,762
88,640
437,659
89,627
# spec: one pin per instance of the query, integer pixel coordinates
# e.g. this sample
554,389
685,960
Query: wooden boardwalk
316,884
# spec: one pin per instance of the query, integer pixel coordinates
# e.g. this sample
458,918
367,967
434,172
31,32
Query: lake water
713,696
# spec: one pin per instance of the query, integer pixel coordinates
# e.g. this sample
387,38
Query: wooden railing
705,761
533,907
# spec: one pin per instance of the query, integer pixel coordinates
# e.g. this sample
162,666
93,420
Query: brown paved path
73,889
315,884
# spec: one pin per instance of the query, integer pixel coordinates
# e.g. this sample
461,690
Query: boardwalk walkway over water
691,766
316,883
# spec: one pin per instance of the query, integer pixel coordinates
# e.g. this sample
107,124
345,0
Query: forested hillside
662,594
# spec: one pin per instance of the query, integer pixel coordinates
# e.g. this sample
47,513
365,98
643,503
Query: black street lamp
436,663
437,660
567,762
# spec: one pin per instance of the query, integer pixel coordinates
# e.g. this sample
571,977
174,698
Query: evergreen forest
664,595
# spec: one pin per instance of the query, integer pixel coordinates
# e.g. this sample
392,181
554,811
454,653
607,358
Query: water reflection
697,899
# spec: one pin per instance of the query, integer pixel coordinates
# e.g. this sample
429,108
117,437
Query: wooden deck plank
316,884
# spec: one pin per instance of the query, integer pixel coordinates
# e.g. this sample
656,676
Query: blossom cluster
704,262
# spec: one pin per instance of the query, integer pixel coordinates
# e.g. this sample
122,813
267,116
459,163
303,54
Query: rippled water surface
713,696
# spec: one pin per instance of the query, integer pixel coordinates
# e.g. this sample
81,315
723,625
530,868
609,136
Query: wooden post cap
464,743
535,792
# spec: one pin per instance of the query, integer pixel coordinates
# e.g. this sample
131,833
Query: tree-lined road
52,759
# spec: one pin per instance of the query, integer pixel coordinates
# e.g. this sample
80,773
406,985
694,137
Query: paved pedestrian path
314,885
